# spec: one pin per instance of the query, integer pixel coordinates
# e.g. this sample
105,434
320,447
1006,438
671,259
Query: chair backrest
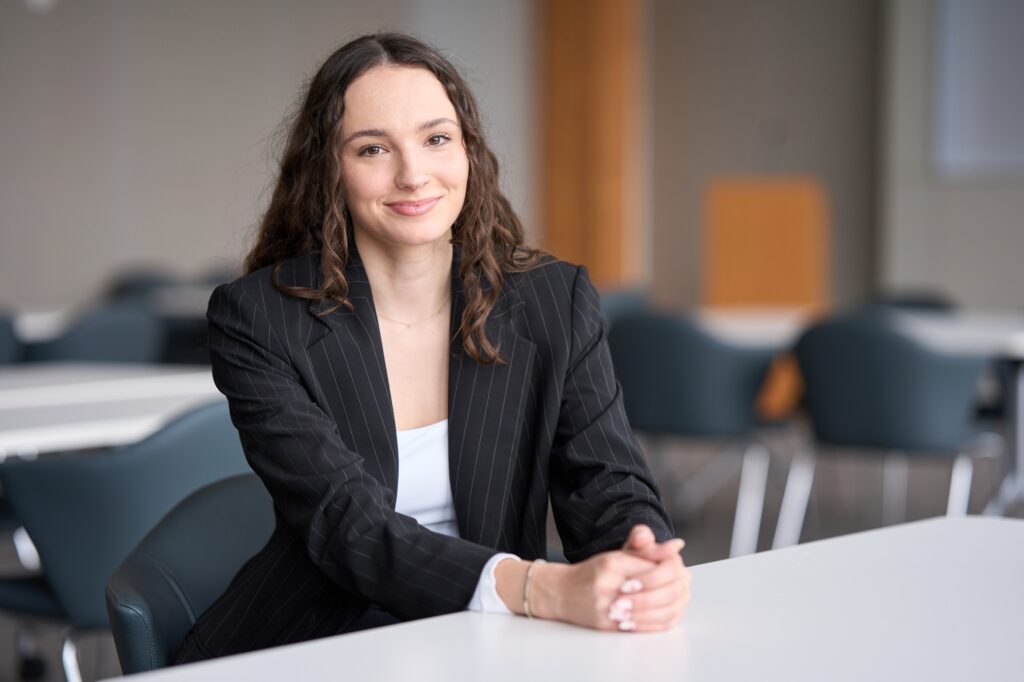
182,566
679,379
9,344
137,283
617,303
869,384
921,300
116,332
85,512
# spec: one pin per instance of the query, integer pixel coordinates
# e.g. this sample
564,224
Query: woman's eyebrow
378,132
437,122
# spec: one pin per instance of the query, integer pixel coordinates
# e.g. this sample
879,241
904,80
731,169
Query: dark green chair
115,332
871,386
182,566
680,380
85,512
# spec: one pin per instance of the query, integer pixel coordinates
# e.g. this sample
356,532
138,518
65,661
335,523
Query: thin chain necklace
410,325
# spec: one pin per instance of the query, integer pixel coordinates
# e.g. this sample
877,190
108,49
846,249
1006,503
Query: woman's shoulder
551,280
257,293
299,271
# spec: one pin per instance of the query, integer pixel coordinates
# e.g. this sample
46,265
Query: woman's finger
665,595
667,572
662,618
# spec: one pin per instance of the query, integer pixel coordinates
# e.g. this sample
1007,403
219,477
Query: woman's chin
418,237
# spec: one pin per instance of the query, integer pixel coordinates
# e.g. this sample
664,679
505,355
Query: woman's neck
409,284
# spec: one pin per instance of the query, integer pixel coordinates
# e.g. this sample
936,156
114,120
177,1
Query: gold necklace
410,325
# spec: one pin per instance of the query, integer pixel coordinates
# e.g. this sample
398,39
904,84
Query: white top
425,493
933,600
424,488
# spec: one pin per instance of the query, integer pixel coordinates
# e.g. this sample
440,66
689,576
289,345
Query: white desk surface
933,600
60,406
996,333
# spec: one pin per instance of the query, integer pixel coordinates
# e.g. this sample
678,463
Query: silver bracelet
526,586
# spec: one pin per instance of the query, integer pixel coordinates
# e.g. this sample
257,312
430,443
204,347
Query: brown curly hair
307,212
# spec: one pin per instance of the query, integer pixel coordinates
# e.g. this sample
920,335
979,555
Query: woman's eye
438,140
371,150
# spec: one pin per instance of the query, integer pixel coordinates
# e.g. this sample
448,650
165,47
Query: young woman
413,385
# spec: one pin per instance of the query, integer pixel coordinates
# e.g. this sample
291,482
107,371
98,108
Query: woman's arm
319,485
601,486
603,499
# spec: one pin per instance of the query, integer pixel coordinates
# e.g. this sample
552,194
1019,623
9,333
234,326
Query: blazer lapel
484,418
348,362
485,402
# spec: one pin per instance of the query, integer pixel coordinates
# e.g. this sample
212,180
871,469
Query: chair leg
960,486
753,480
69,659
31,664
794,500
26,550
703,483
894,488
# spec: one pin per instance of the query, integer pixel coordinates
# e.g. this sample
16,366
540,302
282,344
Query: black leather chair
678,379
112,332
182,566
873,387
85,512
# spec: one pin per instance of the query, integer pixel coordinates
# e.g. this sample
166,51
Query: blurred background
805,215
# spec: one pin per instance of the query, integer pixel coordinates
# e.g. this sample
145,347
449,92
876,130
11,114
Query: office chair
10,347
873,387
616,303
121,332
182,566
85,512
679,380
138,283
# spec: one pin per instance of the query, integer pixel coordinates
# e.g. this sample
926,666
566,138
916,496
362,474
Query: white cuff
486,599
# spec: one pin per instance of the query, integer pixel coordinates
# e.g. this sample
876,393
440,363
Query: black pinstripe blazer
309,396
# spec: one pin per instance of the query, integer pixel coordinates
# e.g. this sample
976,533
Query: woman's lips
414,208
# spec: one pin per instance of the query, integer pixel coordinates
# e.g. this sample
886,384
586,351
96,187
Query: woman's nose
411,173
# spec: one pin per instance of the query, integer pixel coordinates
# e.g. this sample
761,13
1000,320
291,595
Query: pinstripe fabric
309,396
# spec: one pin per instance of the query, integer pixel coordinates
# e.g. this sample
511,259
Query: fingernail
623,604
627,626
617,615
631,586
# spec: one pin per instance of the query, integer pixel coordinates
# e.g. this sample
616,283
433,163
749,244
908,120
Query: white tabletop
59,406
933,600
994,333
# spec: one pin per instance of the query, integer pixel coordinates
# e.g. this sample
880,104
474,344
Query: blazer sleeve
320,487
600,483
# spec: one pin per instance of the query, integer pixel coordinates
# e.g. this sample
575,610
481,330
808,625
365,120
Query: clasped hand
644,587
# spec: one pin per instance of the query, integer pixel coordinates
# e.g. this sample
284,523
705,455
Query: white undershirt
425,493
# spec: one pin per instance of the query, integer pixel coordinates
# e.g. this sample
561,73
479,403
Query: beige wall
139,130
965,237
753,87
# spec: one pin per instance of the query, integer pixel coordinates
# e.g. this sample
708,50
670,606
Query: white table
59,406
933,600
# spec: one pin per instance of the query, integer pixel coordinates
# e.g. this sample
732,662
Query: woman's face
403,162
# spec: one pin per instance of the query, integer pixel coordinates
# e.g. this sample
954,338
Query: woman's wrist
546,592
510,583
